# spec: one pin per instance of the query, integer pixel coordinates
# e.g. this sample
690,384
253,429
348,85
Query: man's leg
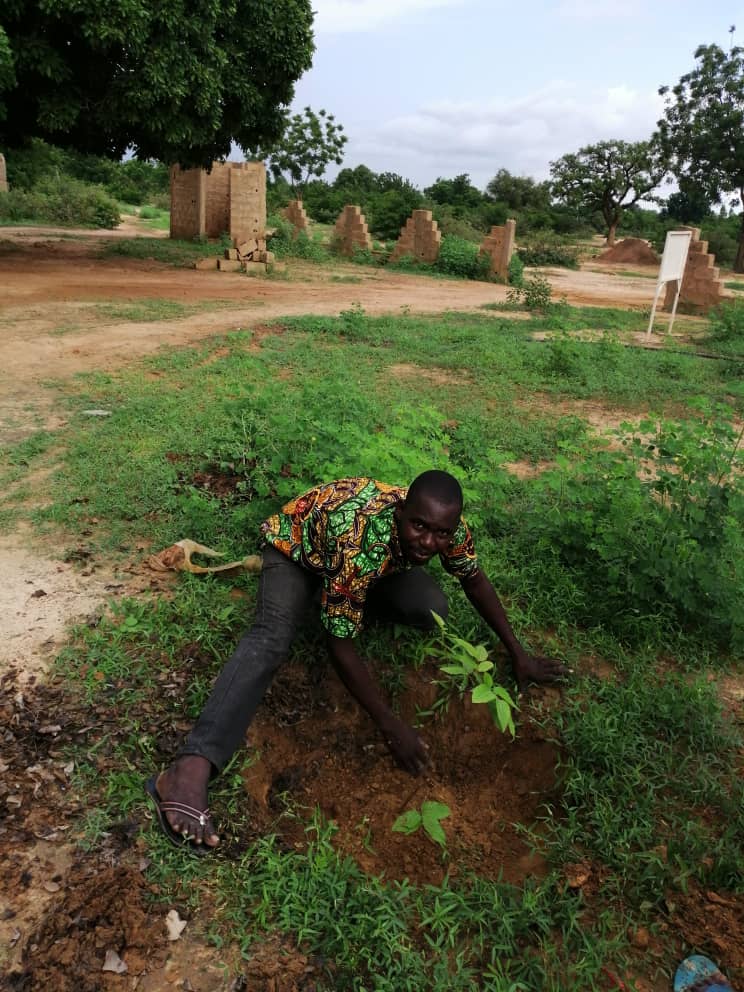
408,598
284,592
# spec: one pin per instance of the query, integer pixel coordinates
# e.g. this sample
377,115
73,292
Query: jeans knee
437,604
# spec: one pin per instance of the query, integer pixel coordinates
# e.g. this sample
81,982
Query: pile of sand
633,250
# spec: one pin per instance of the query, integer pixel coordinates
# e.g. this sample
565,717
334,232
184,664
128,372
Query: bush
60,200
727,322
515,272
546,252
285,242
458,257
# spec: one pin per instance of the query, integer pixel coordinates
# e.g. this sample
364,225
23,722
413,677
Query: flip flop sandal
161,808
699,974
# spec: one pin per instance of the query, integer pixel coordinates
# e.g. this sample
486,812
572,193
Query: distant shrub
60,200
285,242
547,252
459,257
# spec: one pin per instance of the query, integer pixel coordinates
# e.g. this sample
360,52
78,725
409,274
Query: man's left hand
534,668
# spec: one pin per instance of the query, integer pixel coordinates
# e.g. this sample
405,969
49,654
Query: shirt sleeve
342,604
460,558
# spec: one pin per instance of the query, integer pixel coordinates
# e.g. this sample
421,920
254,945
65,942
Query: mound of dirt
632,250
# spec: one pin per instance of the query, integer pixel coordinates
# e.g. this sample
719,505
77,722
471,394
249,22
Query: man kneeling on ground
363,544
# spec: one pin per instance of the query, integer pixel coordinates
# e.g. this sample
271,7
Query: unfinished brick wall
701,288
188,189
3,175
247,201
351,232
499,244
295,214
217,210
231,198
420,238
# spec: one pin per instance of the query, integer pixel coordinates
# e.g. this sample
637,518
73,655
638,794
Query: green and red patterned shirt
346,532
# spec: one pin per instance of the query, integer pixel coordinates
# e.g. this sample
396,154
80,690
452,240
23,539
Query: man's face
425,528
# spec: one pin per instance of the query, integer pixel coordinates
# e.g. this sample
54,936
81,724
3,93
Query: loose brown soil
62,909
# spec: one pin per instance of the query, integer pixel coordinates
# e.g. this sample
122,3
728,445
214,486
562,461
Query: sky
430,88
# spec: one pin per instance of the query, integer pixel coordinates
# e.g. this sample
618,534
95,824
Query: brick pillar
351,231
701,288
3,175
247,201
499,244
420,237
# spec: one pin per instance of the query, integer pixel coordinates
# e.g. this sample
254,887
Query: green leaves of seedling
469,665
429,817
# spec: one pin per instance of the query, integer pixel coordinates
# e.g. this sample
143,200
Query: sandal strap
195,814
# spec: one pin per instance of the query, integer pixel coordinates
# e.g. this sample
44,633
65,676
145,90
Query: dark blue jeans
285,591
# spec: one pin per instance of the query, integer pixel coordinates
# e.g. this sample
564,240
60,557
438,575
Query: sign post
673,262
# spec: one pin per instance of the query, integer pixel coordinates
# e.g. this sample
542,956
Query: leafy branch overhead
175,82
309,144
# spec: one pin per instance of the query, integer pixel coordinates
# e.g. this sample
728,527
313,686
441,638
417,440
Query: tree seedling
429,817
469,665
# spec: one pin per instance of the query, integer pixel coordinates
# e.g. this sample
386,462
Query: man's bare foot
185,783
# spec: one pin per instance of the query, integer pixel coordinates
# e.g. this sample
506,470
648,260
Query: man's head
428,518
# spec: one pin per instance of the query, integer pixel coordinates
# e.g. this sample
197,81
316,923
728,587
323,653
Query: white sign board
673,261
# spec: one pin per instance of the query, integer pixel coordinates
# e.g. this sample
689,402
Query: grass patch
181,254
738,287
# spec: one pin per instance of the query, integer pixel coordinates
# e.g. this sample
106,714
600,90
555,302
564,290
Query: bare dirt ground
61,911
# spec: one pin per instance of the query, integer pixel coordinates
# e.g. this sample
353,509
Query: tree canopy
308,144
519,192
175,81
702,129
607,177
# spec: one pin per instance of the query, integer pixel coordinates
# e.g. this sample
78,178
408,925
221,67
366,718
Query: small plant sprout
429,817
470,667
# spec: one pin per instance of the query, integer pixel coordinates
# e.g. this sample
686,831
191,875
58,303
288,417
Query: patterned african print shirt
346,532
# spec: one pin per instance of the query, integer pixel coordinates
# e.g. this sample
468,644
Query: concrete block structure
701,288
3,175
295,214
420,238
351,232
230,199
499,244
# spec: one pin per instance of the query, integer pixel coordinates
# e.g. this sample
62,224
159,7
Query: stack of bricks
231,199
249,256
701,288
3,175
420,238
351,232
499,244
295,214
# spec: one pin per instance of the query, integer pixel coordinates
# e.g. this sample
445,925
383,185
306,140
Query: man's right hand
405,745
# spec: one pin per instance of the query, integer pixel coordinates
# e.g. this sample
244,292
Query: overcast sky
430,88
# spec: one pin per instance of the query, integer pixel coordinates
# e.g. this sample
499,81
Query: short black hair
440,486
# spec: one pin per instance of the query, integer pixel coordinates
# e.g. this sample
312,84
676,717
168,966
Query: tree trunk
739,260
611,235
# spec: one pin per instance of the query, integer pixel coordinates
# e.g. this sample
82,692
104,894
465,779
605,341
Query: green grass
736,286
155,218
591,560
166,250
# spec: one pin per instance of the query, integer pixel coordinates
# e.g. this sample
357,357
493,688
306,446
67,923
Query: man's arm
405,744
527,668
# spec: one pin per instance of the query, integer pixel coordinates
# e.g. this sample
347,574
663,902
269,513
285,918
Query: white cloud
342,16
524,135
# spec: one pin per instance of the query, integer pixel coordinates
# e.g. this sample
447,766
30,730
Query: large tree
608,177
703,128
174,80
